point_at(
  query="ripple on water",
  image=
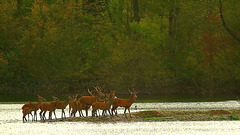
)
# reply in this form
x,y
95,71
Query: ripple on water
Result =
x,y
11,122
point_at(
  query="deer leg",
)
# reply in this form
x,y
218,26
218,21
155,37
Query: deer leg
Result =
x,y
82,113
24,118
40,114
79,111
125,112
70,114
64,115
50,115
103,113
129,112
92,113
44,117
35,115
109,113
55,115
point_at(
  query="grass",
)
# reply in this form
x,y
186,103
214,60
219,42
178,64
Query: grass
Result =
x,y
166,115
157,119
234,117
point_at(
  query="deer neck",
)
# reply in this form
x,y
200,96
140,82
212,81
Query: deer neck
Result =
x,y
39,102
55,103
132,98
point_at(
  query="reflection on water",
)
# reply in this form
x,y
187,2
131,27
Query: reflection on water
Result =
x,y
11,122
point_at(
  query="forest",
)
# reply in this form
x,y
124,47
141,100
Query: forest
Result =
x,y
158,47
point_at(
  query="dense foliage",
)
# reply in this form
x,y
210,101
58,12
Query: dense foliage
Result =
x,y
157,47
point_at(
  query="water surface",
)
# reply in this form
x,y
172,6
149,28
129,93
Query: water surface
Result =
x,y
11,122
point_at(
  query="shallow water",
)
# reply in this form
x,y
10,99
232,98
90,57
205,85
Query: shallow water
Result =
x,y
11,122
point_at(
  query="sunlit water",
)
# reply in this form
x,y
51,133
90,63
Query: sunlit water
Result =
x,y
11,122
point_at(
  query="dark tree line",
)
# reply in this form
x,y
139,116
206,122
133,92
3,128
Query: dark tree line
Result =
x,y
158,47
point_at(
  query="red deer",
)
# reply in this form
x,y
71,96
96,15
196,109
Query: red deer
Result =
x,y
126,103
63,104
26,111
51,107
89,100
73,106
34,106
105,106
81,107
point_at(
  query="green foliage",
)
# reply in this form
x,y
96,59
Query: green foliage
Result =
x,y
158,119
234,117
59,47
222,118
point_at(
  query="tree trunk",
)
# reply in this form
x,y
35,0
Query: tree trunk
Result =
x,y
136,15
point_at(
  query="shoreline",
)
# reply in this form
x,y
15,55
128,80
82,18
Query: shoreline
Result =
x,y
160,116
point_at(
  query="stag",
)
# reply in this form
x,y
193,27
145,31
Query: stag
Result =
x,y
126,103
89,100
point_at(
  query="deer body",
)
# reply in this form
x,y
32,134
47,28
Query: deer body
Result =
x,y
51,107
26,111
73,106
81,107
126,103
105,106
34,106
62,105
89,100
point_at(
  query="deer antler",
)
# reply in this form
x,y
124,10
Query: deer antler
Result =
x,y
130,91
95,88
89,92
134,90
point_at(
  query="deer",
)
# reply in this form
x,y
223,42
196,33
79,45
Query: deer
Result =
x,y
73,106
81,107
34,106
126,103
105,106
26,111
50,106
89,100
63,104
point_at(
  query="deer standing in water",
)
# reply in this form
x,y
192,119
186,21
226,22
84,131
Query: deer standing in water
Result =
x,y
26,111
34,106
89,100
63,104
102,105
73,106
81,107
126,103
51,107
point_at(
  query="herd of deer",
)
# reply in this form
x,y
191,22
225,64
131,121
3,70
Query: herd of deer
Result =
x,y
109,104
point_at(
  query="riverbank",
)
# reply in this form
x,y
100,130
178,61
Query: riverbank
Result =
x,y
163,115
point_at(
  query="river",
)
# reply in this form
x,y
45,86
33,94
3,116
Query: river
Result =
x,y
11,122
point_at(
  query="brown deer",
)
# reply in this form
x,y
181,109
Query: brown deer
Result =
x,y
26,111
34,106
81,107
102,105
50,106
89,100
73,106
63,104
126,103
